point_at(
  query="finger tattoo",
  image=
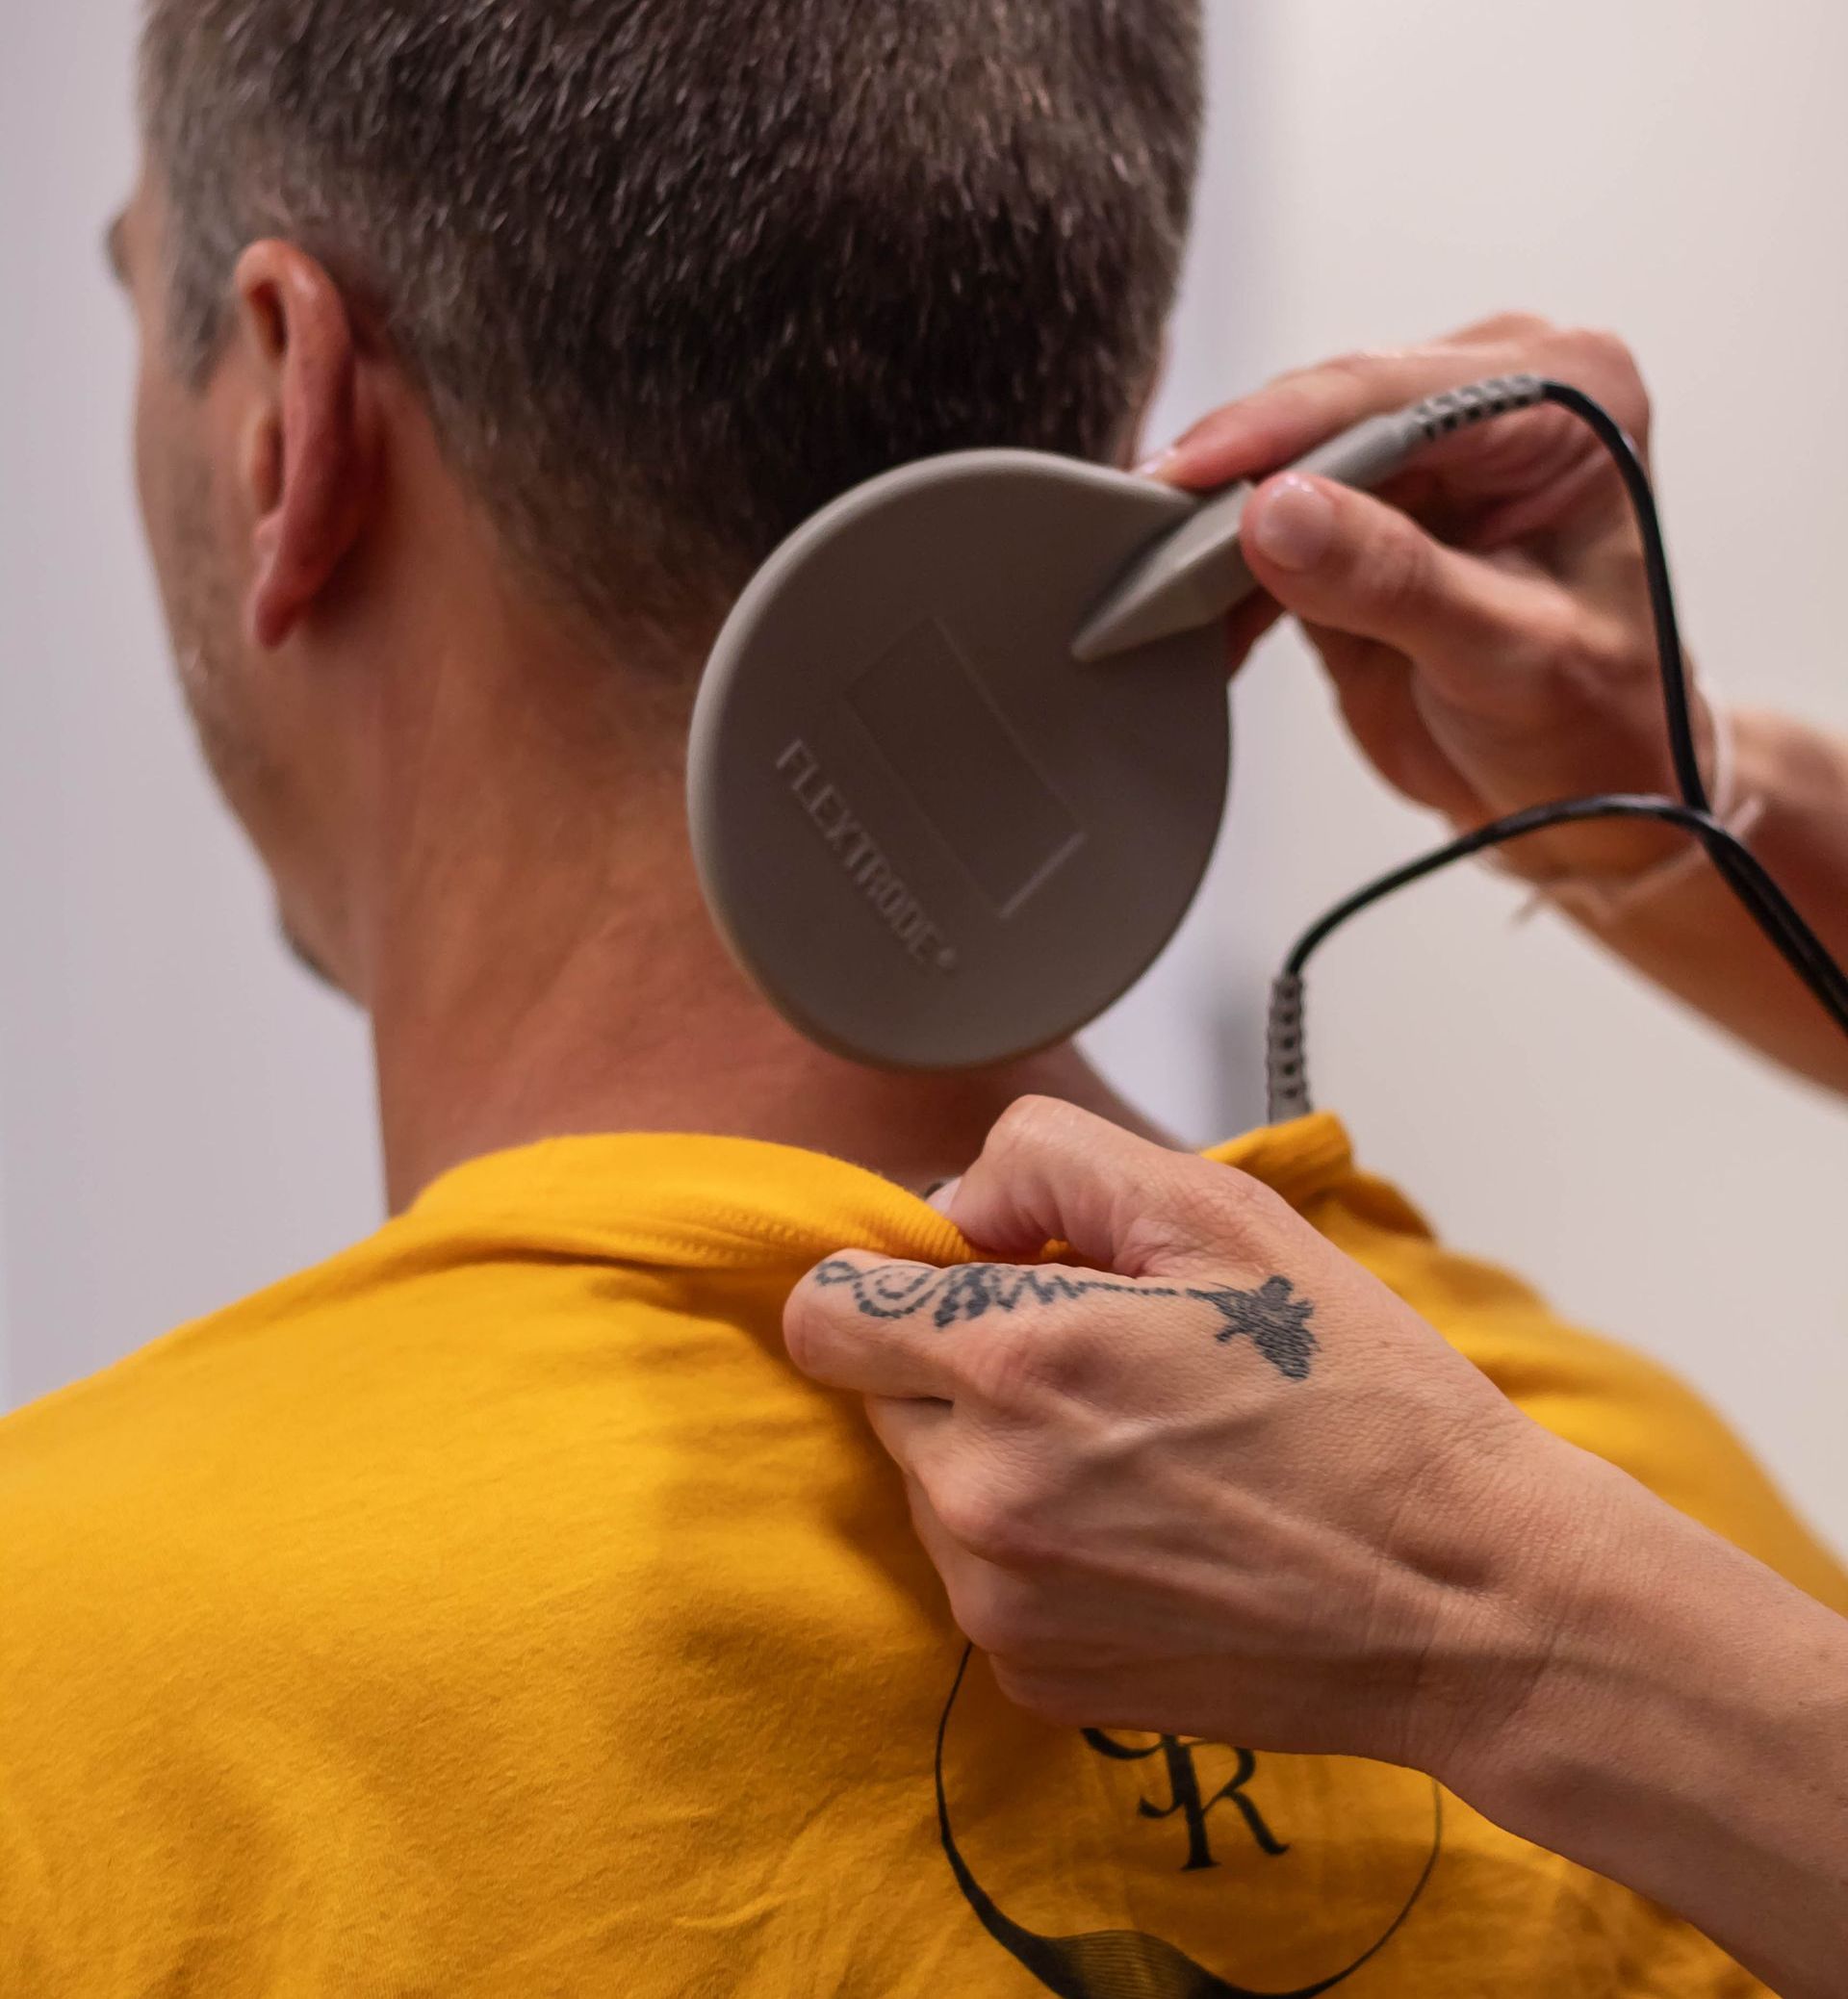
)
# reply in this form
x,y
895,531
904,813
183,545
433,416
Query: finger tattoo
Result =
x,y
1272,1317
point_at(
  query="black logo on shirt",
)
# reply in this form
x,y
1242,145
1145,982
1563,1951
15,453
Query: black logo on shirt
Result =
x,y
1185,1797
1130,1963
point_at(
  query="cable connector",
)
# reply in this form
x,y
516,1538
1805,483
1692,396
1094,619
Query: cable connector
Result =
x,y
1287,1077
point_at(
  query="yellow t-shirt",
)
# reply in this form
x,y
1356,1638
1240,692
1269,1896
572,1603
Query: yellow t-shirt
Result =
x,y
494,1610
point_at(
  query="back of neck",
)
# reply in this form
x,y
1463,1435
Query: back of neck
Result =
x,y
573,983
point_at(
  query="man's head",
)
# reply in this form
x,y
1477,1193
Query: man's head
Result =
x,y
602,296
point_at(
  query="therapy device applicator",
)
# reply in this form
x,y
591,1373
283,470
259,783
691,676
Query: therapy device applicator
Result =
x,y
1198,573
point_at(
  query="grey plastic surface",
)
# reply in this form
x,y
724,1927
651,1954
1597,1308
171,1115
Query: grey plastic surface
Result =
x,y
930,837
1197,574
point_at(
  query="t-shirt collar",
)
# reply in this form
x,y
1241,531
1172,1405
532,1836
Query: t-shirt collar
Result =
x,y
679,1199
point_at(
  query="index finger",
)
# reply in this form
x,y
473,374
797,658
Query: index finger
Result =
x,y
1002,1336
1051,1171
1277,425
917,1332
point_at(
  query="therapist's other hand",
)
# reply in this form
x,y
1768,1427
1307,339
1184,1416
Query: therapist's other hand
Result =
x,y
1485,620
1221,1482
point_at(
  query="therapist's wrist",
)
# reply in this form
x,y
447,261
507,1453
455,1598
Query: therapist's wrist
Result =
x,y
1766,767
1524,1618
1608,863
1640,1671
1677,1719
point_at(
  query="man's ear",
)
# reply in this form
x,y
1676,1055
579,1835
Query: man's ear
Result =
x,y
307,449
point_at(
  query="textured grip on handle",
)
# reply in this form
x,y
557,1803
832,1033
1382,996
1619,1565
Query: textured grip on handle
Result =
x,y
1286,1061
1456,409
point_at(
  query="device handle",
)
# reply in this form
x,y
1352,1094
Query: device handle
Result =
x,y
1197,573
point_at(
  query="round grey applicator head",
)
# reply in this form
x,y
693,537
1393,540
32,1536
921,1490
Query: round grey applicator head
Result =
x,y
932,835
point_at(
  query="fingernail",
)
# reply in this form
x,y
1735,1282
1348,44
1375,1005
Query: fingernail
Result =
x,y
1154,468
1295,523
942,1195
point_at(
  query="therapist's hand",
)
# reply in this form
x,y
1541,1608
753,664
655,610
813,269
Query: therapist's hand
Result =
x,y
1224,1483
1487,631
1221,1484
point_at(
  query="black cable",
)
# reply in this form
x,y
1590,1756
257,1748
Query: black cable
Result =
x,y
1672,665
1795,941
1797,944
1756,888
1285,1053
1614,805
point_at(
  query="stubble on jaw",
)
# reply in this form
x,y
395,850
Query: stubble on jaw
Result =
x,y
202,609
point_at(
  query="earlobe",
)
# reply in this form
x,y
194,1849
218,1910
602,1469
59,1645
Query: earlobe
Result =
x,y
306,457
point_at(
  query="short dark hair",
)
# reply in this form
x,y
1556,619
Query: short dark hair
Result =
x,y
674,272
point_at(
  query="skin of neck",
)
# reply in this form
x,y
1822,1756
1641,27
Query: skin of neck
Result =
x,y
520,915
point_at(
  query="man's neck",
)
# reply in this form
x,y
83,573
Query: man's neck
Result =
x,y
518,997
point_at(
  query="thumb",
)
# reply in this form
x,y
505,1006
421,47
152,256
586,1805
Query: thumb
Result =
x,y
1345,560
1050,1172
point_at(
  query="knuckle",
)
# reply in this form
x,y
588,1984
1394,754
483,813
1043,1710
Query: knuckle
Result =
x,y
1013,1619
1603,653
1362,365
1206,1210
1234,1201
1540,636
987,1612
1348,384
976,1517
1294,377
1516,325
1015,1367
1546,642
1029,1124
1211,1208
990,1524
1561,643
979,1613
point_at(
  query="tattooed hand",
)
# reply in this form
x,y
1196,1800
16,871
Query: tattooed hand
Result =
x,y
1221,1482
1277,1320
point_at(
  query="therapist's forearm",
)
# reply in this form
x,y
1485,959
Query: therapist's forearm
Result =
x,y
1682,1726
1693,937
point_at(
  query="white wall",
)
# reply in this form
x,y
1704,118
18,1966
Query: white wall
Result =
x,y
183,1116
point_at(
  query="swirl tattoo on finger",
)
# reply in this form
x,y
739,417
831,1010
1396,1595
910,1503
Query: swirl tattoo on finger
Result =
x,y
1273,1318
